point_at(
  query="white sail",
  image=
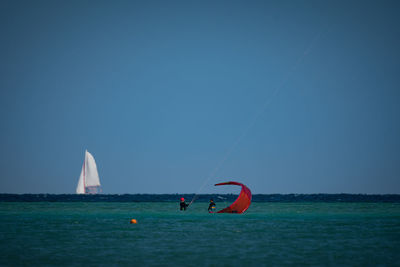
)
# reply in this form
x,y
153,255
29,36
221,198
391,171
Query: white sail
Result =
x,y
89,180
80,189
92,176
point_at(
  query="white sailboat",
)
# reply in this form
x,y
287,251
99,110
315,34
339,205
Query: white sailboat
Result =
x,y
89,181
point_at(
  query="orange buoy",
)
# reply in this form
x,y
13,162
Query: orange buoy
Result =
x,y
133,221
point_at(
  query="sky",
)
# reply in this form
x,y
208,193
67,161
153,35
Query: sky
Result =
x,y
175,96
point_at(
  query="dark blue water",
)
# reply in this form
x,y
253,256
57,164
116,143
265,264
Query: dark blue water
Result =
x,y
98,233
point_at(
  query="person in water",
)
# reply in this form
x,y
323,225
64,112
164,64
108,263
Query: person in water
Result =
x,y
183,204
211,207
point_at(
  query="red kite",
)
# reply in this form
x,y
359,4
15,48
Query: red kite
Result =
x,y
242,203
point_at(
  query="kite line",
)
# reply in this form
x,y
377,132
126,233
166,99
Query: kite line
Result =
x,y
261,111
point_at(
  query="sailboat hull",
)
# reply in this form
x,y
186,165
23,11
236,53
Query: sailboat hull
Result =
x,y
93,190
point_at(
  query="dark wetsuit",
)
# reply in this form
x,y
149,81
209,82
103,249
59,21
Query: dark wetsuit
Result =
x,y
184,205
210,207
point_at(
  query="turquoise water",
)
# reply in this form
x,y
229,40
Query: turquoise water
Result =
x,y
83,233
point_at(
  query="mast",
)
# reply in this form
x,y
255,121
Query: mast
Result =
x,y
84,173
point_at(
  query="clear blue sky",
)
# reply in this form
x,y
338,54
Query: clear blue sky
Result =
x,y
161,92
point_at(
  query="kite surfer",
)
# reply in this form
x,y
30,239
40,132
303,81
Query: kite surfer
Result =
x,y
183,204
211,207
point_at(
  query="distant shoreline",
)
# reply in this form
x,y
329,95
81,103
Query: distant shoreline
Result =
x,y
388,198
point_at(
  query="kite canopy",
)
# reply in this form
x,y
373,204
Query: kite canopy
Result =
x,y
242,203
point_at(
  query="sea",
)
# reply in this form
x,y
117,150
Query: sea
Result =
x,y
276,230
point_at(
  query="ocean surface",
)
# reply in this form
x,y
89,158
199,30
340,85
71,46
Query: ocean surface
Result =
x,y
90,232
